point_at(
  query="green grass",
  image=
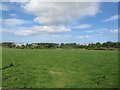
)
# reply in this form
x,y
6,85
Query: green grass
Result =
x,y
0,67
54,68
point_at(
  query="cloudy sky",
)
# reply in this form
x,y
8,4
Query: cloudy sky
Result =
x,y
80,22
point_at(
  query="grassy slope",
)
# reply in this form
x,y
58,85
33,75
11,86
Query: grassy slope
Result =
x,y
59,68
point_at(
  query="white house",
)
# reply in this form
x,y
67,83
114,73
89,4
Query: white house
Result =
x,y
20,44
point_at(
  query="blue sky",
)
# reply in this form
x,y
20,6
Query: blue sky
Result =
x,y
84,23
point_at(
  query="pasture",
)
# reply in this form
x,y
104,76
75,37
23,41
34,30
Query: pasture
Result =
x,y
57,68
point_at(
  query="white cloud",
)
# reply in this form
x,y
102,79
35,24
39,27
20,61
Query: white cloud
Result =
x,y
112,18
99,30
4,7
104,31
83,26
13,15
16,1
54,1
41,29
52,16
109,0
90,31
60,13
116,31
13,22
22,1
84,37
0,21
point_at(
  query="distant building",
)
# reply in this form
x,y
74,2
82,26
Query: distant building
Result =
x,y
20,44
84,44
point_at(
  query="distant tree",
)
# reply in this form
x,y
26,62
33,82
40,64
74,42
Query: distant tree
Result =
x,y
8,44
118,45
108,44
61,45
27,45
91,46
98,45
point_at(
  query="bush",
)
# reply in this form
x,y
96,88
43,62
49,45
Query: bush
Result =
x,y
100,48
110,48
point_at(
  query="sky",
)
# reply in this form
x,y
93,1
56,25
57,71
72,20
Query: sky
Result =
x,y
60,22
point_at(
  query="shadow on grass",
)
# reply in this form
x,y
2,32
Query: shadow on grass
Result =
x,y
6,67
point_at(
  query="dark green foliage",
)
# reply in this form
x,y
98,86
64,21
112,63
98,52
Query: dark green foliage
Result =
x,y
42,45
91,46
8,44
104,46
69,45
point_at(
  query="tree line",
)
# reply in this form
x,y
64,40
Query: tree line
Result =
x,y
91,46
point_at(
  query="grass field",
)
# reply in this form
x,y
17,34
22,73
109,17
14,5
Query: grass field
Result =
x,y
55,68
